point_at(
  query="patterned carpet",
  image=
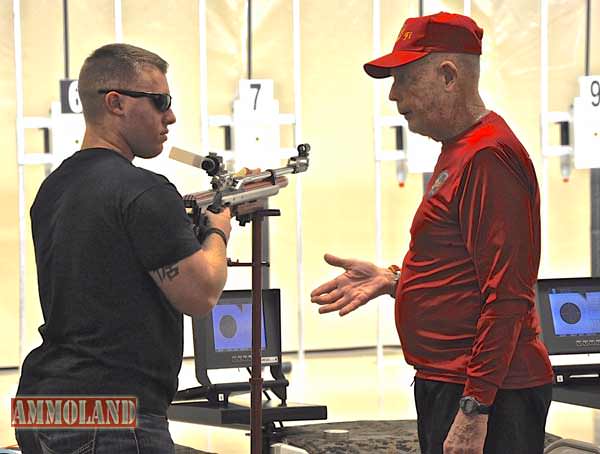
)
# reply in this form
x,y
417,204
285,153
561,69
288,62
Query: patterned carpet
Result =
x,y
372,437
363,437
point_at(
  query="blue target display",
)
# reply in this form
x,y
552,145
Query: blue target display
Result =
x,y
575,313
232,327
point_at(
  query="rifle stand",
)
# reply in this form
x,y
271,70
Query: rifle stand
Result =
x,y
209,403
256,381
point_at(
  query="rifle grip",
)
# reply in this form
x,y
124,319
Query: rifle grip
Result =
x,y
214,208
217,204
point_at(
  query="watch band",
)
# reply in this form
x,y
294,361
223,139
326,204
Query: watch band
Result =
x,y
216,231
396,270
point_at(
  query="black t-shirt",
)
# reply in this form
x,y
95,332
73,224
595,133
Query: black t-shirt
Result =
x,y
99,225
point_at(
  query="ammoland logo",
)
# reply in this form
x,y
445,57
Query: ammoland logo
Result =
x,y
76,412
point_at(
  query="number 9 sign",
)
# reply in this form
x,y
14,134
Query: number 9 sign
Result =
x,y
595,91
589,89
586,123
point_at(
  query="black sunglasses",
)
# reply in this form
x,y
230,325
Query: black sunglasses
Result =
x,y
162,101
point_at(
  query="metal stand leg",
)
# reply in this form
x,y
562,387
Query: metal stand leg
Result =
x,y
256,380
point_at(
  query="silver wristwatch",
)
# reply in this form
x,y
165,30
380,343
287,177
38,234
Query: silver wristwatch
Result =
x,y
471,406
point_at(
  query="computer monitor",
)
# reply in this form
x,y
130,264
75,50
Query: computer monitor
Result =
x,y
223,338
569,311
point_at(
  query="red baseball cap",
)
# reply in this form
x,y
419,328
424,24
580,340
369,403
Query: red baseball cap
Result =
x,y
420,36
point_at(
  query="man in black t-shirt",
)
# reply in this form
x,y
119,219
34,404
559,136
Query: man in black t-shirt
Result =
x,y
118,262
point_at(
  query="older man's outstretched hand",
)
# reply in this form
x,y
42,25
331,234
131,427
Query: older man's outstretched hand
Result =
x,y
360,283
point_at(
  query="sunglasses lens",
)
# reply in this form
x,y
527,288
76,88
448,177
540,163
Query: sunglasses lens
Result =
x,y
163,102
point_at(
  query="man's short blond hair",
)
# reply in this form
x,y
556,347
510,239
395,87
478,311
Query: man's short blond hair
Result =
x,y
112,66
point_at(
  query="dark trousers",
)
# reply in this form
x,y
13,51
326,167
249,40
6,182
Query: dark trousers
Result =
x,y
516,424
151,436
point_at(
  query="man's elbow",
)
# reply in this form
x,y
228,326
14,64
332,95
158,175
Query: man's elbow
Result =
x,y
198,307
205,298
206,285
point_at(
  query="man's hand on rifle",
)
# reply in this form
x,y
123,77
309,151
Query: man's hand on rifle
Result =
x,y
221,221
360,283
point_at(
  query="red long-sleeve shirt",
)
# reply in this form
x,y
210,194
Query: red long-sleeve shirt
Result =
x,y
465,308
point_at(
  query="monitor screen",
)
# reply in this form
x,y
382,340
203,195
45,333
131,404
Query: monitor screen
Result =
x,y
232,326
223,338
569,310
575,313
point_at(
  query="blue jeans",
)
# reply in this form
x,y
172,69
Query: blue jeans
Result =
x,y
151,436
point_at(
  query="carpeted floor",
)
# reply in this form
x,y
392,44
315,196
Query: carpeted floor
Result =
x,y
363,437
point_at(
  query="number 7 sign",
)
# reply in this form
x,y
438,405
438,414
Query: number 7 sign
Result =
x,y
256,134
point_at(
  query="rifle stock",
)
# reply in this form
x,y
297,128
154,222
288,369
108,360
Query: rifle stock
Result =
x,y
245,200
243,193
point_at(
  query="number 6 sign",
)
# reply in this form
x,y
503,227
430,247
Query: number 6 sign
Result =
x,y
69,96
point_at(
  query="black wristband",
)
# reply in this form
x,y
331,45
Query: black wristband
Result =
x,y
218,232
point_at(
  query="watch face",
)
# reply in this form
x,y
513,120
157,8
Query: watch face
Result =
x,y
469,406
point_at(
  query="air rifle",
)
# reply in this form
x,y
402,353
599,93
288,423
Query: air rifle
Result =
x,y
243,192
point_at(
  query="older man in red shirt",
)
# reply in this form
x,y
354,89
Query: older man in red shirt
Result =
x,y
465,308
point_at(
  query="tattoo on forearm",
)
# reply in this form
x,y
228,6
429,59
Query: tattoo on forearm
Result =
x,y
169,272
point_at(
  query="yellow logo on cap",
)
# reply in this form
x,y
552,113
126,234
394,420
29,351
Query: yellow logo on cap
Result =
x,y
404,35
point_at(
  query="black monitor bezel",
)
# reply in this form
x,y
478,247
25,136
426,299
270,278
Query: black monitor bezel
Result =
x,y
206,356
563,345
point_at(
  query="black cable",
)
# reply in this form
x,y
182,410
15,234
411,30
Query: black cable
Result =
x,y
249,47
66,35
426,175
588,29
266,282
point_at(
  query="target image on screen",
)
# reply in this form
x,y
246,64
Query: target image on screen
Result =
x,y
569,311
223,338
575,313
232,327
